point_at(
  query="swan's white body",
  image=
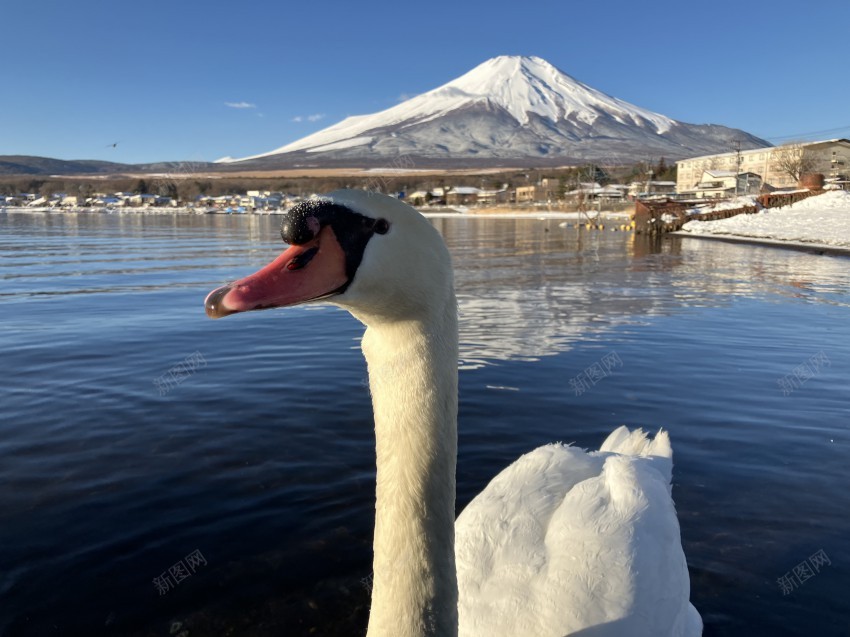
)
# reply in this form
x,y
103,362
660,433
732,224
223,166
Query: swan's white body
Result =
x,y
560,543
565,542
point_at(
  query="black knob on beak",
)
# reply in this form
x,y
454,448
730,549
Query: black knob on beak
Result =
x,y
301,224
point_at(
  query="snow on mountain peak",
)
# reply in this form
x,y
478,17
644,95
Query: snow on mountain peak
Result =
x,y
521,87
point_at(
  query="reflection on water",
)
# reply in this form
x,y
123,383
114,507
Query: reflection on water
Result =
x,y
528,288
263,460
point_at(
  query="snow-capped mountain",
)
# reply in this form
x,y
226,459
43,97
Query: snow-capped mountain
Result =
x,y
508,108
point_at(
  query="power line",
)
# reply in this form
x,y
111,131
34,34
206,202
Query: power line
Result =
x,y
801,135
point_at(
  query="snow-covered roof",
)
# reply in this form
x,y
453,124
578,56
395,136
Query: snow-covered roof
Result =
x,y
464,190
839,140
594,189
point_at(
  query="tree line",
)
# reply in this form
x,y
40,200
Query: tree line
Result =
x,y
188,187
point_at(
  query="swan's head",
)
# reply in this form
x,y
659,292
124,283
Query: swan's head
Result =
x,y
368,253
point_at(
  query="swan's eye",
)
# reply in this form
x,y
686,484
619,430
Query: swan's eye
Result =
x,y
382,226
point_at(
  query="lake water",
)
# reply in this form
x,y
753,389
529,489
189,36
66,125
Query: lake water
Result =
x,y
138,436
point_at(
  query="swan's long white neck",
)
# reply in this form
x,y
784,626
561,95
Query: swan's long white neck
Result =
x,y
413,379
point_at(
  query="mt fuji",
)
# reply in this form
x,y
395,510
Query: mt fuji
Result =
x,y
510,110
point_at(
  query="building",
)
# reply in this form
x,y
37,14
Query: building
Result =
x,y
592,191
644,189
107,200
418,197
501,195
723,184
544,191
462,196
830,157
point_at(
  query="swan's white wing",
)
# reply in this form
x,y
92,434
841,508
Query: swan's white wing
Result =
x,y
565,542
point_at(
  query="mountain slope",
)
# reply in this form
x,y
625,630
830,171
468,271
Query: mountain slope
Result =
x,y
508,108
32,165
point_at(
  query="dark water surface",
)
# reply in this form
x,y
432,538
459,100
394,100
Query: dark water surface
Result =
x,y
252,465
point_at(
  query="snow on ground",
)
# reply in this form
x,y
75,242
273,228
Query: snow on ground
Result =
x,y
729,204
822,219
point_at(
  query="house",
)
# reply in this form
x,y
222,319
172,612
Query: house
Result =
x,y
615,192
273,200
462,196
723,184
837,183
831,157
106,200
501,195
545,190
418,197
526,194
71,201
584,191
644,189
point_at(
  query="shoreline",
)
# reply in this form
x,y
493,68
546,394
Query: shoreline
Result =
x,y
605,216
107,211
436,214
800,246
540,216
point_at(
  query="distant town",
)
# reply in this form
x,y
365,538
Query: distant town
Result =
x,y
823,165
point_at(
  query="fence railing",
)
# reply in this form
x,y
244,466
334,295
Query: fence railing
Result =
x,y
656,217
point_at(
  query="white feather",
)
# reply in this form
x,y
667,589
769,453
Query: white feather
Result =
x,y
562,542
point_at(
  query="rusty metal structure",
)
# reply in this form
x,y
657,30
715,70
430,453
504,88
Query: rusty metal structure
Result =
x,y
666,215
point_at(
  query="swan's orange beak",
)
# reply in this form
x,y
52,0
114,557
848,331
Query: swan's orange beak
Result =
x,y
301,273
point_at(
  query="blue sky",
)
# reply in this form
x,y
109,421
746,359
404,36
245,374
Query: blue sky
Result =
x,y
192,80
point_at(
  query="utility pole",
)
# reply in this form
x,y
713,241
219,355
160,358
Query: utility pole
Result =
x,y
649,174
737,164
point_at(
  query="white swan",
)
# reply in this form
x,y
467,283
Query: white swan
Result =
x,y
562,542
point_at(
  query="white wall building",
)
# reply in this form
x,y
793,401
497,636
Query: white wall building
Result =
x,y
720,184
644,189
830,157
